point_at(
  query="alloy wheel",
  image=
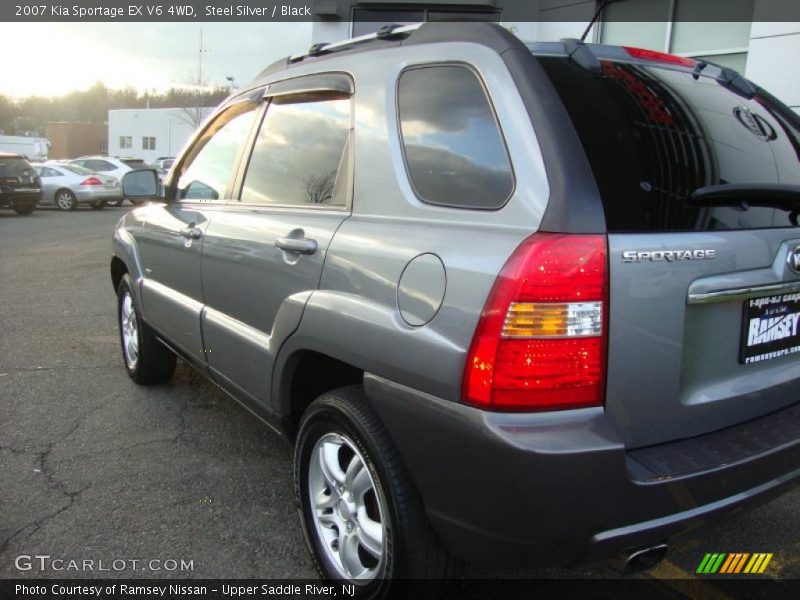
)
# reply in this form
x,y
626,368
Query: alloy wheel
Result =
x,y
130,331
347,508
65,200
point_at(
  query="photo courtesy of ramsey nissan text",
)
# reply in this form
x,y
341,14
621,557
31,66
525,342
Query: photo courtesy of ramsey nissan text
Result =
x,y
396,299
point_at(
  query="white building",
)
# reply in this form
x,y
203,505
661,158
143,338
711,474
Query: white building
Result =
x,y
149,133
767,53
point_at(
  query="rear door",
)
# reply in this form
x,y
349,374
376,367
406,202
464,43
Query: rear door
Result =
x,y
171,241
704,313
271,245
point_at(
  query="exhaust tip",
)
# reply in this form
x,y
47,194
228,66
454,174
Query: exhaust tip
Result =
x,y
639,560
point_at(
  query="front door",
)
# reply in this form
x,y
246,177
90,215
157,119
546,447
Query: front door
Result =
x,y
172,239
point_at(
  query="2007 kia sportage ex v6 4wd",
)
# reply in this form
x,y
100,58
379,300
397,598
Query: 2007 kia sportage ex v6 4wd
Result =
x,y
510,303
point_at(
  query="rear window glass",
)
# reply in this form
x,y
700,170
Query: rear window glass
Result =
x,y
453,147
77,169
654,135
13,168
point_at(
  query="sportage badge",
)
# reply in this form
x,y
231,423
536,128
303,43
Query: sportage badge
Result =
x,y
629,256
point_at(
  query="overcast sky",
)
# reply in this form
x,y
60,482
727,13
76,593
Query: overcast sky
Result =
x,y
55,58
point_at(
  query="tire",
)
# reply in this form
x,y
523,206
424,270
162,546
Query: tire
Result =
x,y
24,208
147,360
342,425
117,202
98,205
65,200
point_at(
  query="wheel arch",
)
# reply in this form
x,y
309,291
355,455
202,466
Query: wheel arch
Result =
x,y
63,189
118,269
302,377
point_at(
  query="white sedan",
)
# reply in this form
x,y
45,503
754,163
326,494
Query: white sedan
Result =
x,y
65,186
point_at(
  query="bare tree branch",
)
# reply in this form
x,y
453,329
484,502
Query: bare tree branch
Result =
x,y
319,188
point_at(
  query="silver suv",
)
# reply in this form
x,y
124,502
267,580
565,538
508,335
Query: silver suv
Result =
x,y
510,303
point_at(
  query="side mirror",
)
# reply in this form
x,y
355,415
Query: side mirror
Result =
x,y
142,183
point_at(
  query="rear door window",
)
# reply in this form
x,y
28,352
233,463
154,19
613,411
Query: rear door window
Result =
x,y
300,157
99,165
454,151
654,135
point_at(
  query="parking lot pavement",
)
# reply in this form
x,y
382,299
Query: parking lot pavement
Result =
x,y
93,467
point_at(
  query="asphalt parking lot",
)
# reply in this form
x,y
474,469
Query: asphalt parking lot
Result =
x,y
95,467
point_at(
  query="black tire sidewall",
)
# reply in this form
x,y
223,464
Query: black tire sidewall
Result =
x,y
323,418
124,286
24,208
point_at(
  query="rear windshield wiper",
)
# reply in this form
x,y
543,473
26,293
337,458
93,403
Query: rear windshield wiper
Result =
x,y
770,195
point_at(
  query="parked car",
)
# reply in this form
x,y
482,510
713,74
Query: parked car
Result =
x,y
499,322
66,185
19,185
163,165
109,165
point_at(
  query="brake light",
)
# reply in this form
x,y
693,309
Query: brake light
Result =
x,y
540,343
644,54
91,181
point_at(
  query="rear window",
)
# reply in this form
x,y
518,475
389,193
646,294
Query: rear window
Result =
x,y
133,163
14,168
454,151
654,135
77,169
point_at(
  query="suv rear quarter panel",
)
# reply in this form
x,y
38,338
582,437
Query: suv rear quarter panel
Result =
x,y
354,316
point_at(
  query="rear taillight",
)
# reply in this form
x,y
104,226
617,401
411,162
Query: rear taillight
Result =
x,y
91,181
663,57
540,343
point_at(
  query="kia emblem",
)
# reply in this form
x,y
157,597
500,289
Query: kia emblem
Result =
x,y
794,260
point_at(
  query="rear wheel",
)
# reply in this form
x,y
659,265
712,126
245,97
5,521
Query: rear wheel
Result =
x,y
117,202
147,360
24,208
66,200
361,514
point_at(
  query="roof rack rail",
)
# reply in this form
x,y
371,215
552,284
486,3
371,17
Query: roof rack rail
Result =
x,y
391,32
387,32
316,49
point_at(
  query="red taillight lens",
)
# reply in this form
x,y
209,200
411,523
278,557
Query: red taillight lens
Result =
x,y
540,343
91,181
644,54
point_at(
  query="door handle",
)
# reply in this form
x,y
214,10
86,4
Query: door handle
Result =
x,y
300,246
191,233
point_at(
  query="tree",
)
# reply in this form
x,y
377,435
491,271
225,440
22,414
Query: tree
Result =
x,y
194,98
319,188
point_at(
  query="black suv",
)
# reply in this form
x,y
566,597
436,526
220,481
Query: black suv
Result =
x,y
20,186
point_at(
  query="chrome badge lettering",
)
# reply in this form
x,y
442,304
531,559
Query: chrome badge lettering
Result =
x,y
630,256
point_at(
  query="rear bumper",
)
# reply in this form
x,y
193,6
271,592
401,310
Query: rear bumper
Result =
x,y
10,198
558,487
87,196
